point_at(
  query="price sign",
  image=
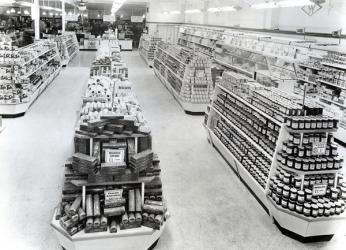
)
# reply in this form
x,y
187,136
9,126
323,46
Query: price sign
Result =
x,y
319,189
109,18
319,148
113,195
136,19
114,155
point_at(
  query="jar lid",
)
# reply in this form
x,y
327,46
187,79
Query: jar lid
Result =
x,y
314,206
333,189
280,184
326,205
308,191
300,192
338,204
326,200
286,187
307,205
320,201
320,205
293,190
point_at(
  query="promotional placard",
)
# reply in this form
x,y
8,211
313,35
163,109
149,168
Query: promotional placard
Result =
x,y
114,155
319,189
109,18
136,19
112,196
71,17
319,148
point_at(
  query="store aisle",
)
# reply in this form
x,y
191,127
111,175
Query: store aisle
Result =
x,y
210,207
33,149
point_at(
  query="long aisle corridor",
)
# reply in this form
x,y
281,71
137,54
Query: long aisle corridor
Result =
x,y
33,149
210,207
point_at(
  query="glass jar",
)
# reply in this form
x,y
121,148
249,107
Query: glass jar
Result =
x,y
318,164
299,207
308,151
307,209
308,195
312,123
332,208
287,178
295,123
337,208
326,209
330,163
279,189
305,165
293,194
314,210
286,192
284,202
323,164
298,164
301,196
312,164
296,139
291,205
290,161
297,182
320,209
301,151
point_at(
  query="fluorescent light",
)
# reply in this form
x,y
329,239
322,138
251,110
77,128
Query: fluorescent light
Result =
x,y
19,12
222,9
121,16
192,11
6,1
282,4
266,5
8,11
213,9
44,13
26,12
98,15
26,4
51,13
175,12
295,3
143,16
13,10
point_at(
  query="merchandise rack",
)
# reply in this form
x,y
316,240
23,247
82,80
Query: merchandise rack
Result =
x,y
186,75
43,54
147,47
141,236
68,46
290,223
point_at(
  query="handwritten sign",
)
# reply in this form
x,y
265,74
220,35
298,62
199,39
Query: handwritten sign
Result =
x,y
112,196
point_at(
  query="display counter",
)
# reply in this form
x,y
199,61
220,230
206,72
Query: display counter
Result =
x,y
126,44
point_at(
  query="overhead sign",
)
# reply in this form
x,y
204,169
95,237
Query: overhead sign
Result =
x,y
109,18
136,19
71,17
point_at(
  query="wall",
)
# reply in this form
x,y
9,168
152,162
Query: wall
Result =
x,y
331,17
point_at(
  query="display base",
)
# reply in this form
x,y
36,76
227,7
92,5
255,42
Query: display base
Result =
x,y
87,49
141,238
188,107
18,110
303,239
305,229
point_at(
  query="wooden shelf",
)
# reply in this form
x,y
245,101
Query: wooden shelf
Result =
x,y
336,103
332,84
307,66
303,217
307,81
335,65
248,73
249,105
244,135
317,130
309,172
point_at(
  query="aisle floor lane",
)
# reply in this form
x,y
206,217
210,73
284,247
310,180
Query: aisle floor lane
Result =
x,y
33,150
210,207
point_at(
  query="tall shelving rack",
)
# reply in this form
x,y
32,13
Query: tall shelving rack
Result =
x,y
147,47
68,46
186,75
36,67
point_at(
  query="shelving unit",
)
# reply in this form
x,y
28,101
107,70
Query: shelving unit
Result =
x,y
36,67
227,130
186,75
123,137
68,46
147,47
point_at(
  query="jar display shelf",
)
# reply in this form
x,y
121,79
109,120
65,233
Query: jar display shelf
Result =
x,y
240,170
332,84
290,223
188,107
305,228
146,48
302,131
309,172
141,238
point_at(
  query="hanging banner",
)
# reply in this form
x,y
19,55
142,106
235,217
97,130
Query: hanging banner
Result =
x,y
136,19
108,18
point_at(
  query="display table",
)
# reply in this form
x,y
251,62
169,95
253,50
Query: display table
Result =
x,y
125,44
138,238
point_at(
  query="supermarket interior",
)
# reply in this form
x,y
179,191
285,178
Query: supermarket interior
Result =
x,y
172,124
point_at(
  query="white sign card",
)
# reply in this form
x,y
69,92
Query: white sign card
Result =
x,y
109,18
114,155
319,148
319,189
136,19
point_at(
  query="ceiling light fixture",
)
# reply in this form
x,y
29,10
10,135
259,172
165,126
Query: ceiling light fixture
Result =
x,y
19,12
23,3
8,11
26,12
117,5
13,10
282,4
192,11
175,12
222,9
7,1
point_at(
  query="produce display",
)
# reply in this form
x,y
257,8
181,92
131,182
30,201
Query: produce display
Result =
x,y
25,73
147,47
185,74
114,163
283,150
